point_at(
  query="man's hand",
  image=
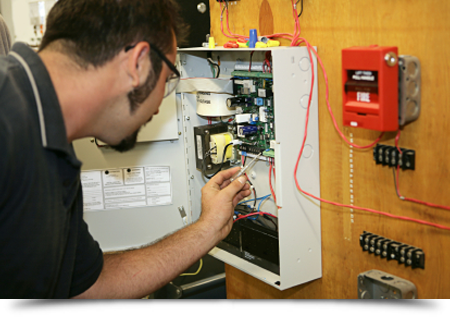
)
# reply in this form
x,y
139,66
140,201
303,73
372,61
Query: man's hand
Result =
x,y
219,197
134,274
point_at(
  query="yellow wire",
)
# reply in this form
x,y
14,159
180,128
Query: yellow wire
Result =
x,y
197,272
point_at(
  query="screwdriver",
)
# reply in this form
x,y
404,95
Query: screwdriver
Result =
x,y
244,169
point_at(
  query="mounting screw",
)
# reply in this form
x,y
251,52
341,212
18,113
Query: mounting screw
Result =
x,y
179,133
201,7
192,177
209,167
391,59
188,118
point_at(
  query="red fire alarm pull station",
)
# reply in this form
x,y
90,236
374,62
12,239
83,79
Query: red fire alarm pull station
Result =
x,y
370,93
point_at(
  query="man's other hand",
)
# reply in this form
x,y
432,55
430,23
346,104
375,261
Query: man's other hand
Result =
x,y
219,197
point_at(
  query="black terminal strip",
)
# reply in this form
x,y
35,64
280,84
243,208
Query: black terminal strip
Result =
x,y
248,148
403,253
390,156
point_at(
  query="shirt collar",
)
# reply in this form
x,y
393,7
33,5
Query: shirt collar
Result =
x,y
55,129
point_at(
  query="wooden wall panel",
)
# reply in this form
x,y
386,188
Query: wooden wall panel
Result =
x,y
419,28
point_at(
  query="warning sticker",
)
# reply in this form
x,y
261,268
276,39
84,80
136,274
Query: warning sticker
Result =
x,y
126,188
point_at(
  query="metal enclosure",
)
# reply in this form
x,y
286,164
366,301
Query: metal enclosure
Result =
x,y
298,215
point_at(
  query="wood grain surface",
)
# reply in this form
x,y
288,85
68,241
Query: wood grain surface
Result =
x,y
418,28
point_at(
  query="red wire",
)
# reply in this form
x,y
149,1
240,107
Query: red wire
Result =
x,y
234,36
328,102
295,42
255,214
335,203
398,189
270,184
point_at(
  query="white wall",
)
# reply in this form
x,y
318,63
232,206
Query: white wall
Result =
x,y
6,10
17,16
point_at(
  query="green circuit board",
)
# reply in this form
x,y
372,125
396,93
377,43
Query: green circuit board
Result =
x,y
258,94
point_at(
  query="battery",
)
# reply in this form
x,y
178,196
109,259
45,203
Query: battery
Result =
x,y
248,130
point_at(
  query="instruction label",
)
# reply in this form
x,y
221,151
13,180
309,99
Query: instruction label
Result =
x,y
126,188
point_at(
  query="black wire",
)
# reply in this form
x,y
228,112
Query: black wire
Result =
x,y
98,145
301,11
270,219
221,165
211,61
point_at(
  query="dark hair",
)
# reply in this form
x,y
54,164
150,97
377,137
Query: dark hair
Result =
x,y
93,32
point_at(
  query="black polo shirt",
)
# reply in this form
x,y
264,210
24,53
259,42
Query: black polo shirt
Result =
x,y
46,250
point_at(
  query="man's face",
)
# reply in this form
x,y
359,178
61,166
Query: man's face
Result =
x,y
152,92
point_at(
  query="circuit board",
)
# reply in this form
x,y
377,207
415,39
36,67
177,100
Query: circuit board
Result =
x,y
254,111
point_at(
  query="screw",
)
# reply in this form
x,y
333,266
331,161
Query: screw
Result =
x,y
384,246
409,254
371,249
392,256
201,7
408,164
391,59
188,118
378,251
209,167
206,132
402,252
366,247
192,177
384,254
408,261
179,133
402,259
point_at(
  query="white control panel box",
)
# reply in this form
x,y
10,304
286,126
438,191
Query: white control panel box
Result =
x,y
299,226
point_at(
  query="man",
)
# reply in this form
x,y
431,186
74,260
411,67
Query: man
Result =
x,y
101,71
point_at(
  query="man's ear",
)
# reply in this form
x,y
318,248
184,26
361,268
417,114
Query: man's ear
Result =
x,y
139,63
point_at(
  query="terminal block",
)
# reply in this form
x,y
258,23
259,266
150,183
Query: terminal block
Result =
x,y
390,156
403,253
